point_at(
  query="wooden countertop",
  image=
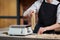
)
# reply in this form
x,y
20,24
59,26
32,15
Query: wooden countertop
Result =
x,y
42,36
28,37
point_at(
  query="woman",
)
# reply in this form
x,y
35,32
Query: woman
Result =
x,y
48,15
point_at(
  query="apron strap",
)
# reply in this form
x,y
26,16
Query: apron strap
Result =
x,y
58,4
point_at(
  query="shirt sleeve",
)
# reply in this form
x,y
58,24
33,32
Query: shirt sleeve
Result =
x,y
35,7
58,14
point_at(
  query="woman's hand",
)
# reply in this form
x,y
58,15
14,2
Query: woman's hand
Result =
x,y
41,30
29,15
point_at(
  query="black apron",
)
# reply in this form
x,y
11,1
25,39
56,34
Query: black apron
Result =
x,y
47,16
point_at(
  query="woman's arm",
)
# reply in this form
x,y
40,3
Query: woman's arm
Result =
x,y
35,7
53,27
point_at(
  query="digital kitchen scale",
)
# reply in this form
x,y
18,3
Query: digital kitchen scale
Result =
x,y
20,30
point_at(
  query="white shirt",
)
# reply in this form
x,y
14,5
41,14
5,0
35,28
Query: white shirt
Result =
x,y
35,7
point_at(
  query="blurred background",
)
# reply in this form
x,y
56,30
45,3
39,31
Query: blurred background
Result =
x,y
11,12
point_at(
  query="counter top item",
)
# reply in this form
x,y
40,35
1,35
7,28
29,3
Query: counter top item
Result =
x,y
4,36
31,37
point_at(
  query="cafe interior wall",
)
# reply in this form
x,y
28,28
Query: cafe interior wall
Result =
x,y
7,8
